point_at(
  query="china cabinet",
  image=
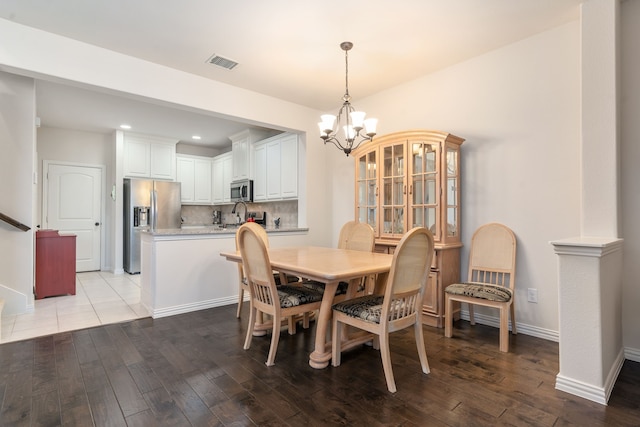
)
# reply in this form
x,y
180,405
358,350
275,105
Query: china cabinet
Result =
x,y
412,179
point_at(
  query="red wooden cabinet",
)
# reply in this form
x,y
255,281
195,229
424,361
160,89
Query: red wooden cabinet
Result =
x,y
55,264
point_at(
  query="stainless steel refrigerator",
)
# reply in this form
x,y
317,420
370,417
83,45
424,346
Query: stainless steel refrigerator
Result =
x,y
148,205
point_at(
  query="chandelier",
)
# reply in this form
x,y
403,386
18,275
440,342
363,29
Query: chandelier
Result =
x,y
354,121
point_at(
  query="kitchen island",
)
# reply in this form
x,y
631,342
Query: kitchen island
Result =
x,y
182,270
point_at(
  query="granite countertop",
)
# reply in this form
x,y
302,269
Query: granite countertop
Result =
x,y
191,229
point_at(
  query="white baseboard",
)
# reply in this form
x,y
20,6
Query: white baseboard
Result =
x,y
14,302
523,328
587,391
187,308
632,354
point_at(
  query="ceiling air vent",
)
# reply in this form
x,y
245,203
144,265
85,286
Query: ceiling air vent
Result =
x,y
222,62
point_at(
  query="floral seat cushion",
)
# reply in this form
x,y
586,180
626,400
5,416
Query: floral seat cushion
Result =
x,y
368,307
292,296
480,290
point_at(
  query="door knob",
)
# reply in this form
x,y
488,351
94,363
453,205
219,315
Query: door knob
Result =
x,y
97,223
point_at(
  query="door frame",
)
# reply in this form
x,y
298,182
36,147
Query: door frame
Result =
x,y
45,196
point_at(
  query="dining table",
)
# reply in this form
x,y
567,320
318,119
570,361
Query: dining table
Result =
x,y
329,266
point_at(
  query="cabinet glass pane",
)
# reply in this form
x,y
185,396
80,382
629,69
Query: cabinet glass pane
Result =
x,y
418,191
430,158
372,220
371,166
387,188
417,155
388,162
398,220
362,193
452,191
418,217
362,167
362,214
398,196
372,200
452,222
430,195
452,162
398,160
430,219
387,221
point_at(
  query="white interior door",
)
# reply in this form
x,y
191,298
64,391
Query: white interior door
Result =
x,y
73,206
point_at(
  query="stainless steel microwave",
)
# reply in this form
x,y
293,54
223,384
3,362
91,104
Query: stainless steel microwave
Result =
x,y
242,191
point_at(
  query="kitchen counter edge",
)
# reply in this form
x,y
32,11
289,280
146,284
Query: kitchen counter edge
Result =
x,y
215,231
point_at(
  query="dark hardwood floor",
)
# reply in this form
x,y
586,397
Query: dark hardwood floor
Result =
x,y
191,370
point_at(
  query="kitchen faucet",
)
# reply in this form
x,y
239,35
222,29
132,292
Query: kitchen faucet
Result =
x,y
245,209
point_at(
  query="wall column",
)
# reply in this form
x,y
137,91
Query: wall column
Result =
x,y
590,266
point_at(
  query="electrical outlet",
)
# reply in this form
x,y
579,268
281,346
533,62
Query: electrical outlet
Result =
x,y
532,295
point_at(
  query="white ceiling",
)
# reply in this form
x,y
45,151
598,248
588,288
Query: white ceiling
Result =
x,y
288,49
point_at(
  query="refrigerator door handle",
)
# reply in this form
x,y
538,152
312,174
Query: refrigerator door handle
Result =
x,y
154,210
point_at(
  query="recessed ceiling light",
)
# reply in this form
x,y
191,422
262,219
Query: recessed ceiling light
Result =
x,y
125,126
196,137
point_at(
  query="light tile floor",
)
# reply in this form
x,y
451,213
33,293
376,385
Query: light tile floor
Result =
x,y
100,298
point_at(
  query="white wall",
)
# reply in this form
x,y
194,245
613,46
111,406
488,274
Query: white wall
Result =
x,y
77,147
630,173
17,145
518,109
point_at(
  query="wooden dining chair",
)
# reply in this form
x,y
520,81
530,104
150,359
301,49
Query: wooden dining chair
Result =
x,y
284,301
490,281
399,307
243,286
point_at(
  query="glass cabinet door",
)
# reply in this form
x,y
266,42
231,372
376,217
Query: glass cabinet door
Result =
x,y
423,185
452,159
367,189
393,190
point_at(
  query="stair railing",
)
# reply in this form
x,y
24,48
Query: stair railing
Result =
x,y
13,222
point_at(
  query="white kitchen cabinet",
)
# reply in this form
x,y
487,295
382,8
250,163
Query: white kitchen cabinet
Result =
x,y
148,156
242,152
222,166
195,175
184,175
276,168
260,172
289,166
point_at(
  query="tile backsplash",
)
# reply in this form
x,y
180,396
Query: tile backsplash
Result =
x,y
287,211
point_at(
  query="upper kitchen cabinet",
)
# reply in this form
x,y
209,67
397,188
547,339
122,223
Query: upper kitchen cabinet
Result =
x,y
276,168
195,175
242,149
148,156
222,166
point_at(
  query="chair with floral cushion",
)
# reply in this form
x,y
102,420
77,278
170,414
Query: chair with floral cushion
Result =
x,y
399,307
243,286
278,302
490,281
